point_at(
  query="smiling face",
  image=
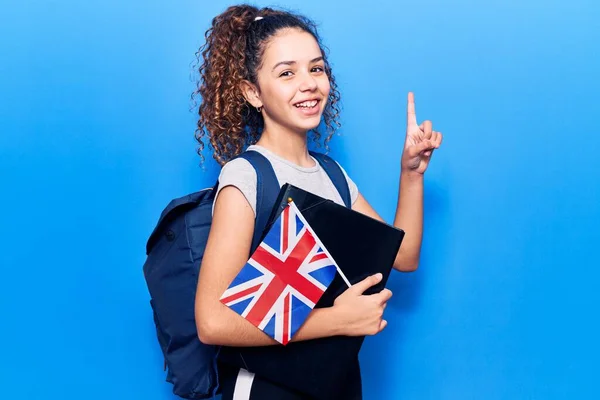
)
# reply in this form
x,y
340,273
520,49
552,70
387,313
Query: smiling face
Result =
x,y
294,87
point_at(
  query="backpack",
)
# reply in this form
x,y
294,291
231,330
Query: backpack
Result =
x,y
174,254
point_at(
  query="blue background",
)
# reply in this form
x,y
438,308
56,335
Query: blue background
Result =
x,y
96,136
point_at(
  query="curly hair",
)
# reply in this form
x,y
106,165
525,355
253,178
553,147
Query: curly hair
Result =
x,y
233,51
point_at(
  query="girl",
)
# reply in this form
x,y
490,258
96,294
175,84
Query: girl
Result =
x,y
266,82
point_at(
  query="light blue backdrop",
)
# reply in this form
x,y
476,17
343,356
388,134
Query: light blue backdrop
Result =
x,y
96,136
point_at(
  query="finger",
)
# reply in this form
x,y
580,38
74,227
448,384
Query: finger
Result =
x,y
434,144
427,129
438,140
383,296
419,148
382,325
366,283
411,116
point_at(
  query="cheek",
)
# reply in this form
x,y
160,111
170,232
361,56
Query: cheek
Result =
x,y
325,89
279,96
325,86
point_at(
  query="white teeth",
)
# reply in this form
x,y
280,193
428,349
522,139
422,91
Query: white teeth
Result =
x,y
307,104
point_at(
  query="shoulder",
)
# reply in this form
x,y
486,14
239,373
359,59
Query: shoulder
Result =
x,y
351,184
240,174
236,169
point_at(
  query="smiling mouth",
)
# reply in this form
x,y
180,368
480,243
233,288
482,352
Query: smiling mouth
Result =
x,y
307,104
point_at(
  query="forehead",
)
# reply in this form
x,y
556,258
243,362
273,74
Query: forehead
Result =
x,y
291,45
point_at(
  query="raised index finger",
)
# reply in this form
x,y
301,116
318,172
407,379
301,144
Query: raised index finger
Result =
x,y
411,116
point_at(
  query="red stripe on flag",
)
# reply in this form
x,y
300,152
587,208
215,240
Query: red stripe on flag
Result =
x,y
265,302
286,225
319,257
286,319
287,271
241,294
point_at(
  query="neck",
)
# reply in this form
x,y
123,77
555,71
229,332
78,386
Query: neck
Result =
x,y
289,145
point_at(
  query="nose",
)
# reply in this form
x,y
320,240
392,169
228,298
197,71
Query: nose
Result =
x,y
309,83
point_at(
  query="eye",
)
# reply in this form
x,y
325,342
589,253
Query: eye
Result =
x,y
318,69
286,73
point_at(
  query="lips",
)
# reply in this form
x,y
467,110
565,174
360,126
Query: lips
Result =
x,y
307,103
308,108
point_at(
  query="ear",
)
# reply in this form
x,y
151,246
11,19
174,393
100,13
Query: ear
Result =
x,y
251,93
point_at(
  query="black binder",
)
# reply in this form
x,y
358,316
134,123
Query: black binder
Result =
x,y
361,246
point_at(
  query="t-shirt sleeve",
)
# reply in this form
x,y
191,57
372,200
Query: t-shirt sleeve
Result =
x,y
351,185
241,174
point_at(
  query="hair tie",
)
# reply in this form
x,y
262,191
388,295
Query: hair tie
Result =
x,y
258,18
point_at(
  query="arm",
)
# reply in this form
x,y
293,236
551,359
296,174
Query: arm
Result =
x,y
226,253
419,145
227,249
409,217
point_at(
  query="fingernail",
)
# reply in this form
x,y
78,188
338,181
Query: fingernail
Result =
x,y
379,275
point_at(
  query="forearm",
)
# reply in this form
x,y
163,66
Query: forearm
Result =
x,y
409,217
230,329
322,322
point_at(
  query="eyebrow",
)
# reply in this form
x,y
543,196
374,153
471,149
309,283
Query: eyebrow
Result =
x,y
314,60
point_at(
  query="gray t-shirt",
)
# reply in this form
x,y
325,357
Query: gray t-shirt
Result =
x,y
241,174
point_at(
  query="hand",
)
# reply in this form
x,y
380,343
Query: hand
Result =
x,y
360,314
420,141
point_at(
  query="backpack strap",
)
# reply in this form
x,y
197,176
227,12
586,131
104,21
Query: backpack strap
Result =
x,y
336,175
267,187
267,190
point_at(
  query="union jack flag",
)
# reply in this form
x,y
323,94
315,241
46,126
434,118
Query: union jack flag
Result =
x,y
283,280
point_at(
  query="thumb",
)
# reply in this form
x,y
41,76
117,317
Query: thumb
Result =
x,y
382,325
362,286
415,150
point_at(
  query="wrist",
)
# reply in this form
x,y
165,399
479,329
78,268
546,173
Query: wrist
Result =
x,y
336,322
410,175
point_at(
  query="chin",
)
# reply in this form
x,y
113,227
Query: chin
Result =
x,y
309,124
306,128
